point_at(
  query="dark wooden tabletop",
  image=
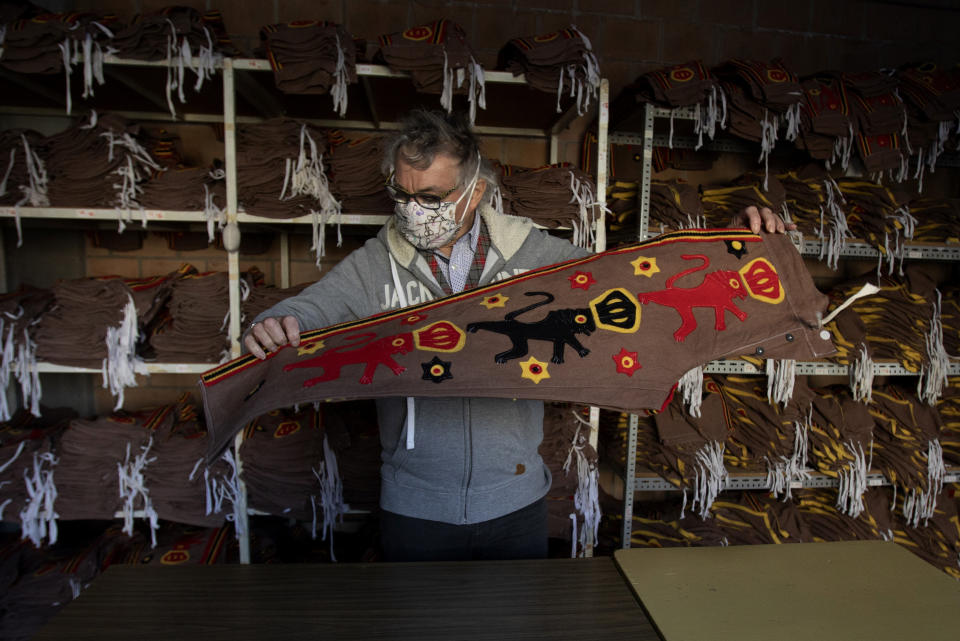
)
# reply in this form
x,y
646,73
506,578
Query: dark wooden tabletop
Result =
x,y
551,599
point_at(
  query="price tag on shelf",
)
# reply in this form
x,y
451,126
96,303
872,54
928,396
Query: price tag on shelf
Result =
x,y
181,368
874,482
154,214
8,211
914,253
85,213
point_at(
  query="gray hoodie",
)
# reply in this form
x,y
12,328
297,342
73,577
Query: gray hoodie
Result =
x,y
474,459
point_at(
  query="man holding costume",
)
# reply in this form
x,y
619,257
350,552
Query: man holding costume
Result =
x,y
461,478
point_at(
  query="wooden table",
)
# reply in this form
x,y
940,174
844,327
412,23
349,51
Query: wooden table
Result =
x,y
825,591
551,599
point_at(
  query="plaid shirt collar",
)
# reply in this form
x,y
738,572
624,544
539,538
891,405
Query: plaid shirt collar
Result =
x,y
478,239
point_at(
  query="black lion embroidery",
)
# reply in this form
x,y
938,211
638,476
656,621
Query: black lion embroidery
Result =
x,y
559,327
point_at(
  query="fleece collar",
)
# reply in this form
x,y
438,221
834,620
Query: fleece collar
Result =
x,y
507,234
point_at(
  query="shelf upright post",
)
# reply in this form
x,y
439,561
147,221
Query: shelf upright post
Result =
x,y
230,163
603,161
629,482
233,269
643,215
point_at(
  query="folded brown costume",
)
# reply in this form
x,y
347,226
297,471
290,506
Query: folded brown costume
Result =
x,y
550,61
22,162
768,94
552,196
587,348
280,169
355,181
439,59
43,42
182,35
310,57
931,94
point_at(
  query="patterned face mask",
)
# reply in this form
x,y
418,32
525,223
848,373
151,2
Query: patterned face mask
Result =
x,y
431,228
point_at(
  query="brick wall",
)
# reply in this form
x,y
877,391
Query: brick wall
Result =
x,y
630,37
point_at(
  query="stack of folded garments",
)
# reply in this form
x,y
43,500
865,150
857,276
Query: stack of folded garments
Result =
x,y
572,461
149,35
102,463
685,85
881,121
949,408
771,437
75,331
897,323
950,319
552,196
22,154
195,329
26,449
878,215
931,94
282,453
310,57
841,445
180,187
938,541
280,169
37,41
768,93
355,438
182,488
938,220
675,204
907,450
815,204
262,298
355,177
100,162
291,470
688,450
439,60
823,521
826,121
722,202
20,312
559,62
183,35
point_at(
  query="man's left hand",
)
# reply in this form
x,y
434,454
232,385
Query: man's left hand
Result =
x,y
761,218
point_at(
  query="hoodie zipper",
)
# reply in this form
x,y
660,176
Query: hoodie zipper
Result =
x,y
468,456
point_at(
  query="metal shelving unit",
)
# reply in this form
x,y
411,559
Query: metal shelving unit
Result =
x,y
368,111
647,139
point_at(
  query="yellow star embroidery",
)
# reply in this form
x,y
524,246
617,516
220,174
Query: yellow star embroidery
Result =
x,y
310,348
535,370
497,300
644,266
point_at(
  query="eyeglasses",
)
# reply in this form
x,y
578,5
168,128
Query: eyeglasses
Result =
x,y
427,201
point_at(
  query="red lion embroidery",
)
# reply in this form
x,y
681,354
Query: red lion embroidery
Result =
x,y
717,290
361,350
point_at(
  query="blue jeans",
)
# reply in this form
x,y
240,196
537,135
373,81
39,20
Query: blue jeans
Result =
x,y
518,535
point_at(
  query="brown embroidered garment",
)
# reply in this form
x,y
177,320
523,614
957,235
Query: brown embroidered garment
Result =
x,y
621,335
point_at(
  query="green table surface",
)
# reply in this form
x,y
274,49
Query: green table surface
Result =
x,y
849,591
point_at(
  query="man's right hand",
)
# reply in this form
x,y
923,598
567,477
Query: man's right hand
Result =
x,y
271,334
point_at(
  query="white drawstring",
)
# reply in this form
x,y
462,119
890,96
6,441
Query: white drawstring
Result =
x,y
411,421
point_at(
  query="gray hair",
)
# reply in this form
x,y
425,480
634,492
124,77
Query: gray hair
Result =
x,y
423,134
